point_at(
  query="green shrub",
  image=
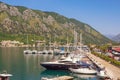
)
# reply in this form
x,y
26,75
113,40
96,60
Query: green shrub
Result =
x,y
114,62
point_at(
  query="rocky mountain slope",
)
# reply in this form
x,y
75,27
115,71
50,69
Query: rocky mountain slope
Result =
x,y
17,21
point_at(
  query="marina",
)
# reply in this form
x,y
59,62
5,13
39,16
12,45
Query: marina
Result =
x,y
79,60
64,40
29,65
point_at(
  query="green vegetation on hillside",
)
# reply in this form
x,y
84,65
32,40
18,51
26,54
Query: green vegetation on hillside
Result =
x,y
19,21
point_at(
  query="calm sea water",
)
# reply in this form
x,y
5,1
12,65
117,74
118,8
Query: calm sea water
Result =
x,y
27,66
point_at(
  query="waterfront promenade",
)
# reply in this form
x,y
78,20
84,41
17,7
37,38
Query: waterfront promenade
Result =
x,y
112,71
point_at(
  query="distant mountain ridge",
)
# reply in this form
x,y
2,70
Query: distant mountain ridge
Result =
x,y
116,38
110,36
17,21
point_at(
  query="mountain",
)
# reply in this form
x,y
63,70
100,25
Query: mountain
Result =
x,y
110,36
16,22
116,38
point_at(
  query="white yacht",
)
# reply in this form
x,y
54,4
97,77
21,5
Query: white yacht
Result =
x,y
83,70
34,51
5,74
27,51
102,74
50,51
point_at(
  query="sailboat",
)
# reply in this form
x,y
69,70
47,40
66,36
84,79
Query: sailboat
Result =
x,y
45,50
82,70
50,51
68,51
27,51
34,51
62,64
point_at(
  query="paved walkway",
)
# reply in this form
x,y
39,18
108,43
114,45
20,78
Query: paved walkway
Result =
x,y
112,71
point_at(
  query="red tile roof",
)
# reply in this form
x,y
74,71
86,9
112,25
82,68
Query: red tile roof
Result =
x,y
116,49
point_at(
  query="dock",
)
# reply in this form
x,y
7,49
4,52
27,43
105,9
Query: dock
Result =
x,y
59,78
112,71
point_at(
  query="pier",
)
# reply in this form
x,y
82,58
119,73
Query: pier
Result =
x,y
60,78
112,71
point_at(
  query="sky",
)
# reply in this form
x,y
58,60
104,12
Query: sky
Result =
x,y
102,15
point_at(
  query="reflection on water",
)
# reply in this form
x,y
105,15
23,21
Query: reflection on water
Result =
x,y
27,66
53,73
85,77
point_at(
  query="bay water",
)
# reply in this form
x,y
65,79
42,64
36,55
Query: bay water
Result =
x,y
27,66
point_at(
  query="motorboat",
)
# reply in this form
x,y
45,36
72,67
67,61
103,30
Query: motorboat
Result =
x,y
50,51
56,51
39,52
44,51
62,52
62,64
83,70
34,51
84,76
102,74
5,74
57,65
71,61
27,51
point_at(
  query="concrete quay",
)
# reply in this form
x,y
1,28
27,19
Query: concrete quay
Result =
x,y
111,70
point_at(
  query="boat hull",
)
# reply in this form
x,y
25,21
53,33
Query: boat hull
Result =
x,y
83,71
60,66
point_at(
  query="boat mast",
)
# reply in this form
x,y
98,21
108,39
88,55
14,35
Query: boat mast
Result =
x,y
50,43
67,44
80,41
75,39
27,42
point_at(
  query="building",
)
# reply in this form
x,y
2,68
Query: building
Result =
x,y
9,43
115,52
